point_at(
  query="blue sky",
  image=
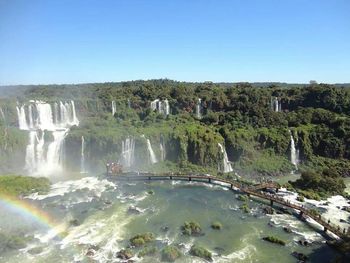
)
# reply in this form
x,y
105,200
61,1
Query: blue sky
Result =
x,y
72,41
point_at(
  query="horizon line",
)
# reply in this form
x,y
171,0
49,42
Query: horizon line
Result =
x,y
181,81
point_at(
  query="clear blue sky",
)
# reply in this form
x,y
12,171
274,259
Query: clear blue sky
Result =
x,y
71,41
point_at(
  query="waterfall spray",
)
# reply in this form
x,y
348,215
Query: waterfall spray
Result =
x,y
82,157
199,109
128,151
294,152
114,108
225,167
45,158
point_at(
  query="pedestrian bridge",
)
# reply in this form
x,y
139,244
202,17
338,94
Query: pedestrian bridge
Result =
x,y
249,189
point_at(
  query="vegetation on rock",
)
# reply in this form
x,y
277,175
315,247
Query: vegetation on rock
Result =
x,y
141,239
191,228
170,254
15,185
201,252
216,225
275,240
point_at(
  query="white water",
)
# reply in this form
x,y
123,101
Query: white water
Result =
x,y
276,104
82,158
2,115
152,155
226,165
128,150
161,106
45,157
199,109
114,108
162,151
294,153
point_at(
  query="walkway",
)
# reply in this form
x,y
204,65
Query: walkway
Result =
x,y
250,190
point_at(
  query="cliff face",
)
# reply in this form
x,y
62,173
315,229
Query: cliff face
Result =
x,y
254,124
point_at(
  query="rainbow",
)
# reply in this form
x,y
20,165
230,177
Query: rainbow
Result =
x,y
26,210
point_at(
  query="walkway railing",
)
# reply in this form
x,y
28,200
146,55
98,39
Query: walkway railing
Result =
x,y
254,190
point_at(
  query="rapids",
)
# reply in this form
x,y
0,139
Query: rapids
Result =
x,y
96,217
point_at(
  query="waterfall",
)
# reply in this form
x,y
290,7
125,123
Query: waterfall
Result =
x,y
294,152
114,108
82,157
226,165
3,115
22,121
199,109
129,104
276,104
128,149
30,163
30,116
162,151
152,155
161,106
166,107
45,157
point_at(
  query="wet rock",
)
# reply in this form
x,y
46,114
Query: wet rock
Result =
x,y
346,208
287,229
268,210
270,224
35,250
300,256
90,253
164,228
304,243
343,221
108,202
94,247
74,222
133,210
124,254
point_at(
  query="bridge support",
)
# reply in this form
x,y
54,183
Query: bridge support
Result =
x,y
209,180
171,178
231,186
277,190
271,202
325,229
301,213
149,177
189,178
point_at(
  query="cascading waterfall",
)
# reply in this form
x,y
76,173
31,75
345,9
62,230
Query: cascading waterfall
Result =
x,y
161,106
162,150
294,152
3,116
128,150
276,104
225,167
114,108
22,121
199,109
152,155
129,104
82,157
42,157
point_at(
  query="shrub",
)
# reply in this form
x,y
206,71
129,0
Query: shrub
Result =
x,y
170,254
201,252
275,240
191,228
216,225
243,198
245,208
147,251
141,239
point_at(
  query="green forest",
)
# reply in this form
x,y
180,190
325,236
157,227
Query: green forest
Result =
x,y
240,116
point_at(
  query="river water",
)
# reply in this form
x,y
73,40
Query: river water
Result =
x,y
107,214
